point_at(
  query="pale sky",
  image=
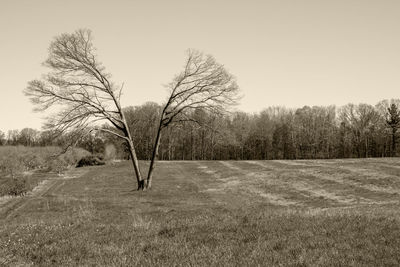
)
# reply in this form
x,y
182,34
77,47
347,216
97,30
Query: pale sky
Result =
x,y
291,53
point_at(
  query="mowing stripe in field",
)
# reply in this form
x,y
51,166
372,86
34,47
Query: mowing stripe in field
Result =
x,y
346,182
309,185
366,177
232,181
290,185
353,179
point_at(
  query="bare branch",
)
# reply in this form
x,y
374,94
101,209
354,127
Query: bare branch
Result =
x,y
78,84
204,84
112,132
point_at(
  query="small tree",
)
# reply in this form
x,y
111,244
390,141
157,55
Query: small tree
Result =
x,y
203,84
2,138
80,86
393,121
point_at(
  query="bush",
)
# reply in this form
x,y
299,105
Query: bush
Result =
x,y
57,165
15,187
17,163
15,160
72,156
89,161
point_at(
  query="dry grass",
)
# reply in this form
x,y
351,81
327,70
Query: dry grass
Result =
x,y
270,213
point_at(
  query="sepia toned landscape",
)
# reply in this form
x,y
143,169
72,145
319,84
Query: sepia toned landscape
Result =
x,y
297,213
199,133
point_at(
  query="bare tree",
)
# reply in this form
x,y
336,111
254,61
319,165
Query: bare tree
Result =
x,y
28,137
362,119
81,88
203,84
2,138
12,137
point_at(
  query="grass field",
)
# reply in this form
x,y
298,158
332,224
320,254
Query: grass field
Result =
x,y
209,213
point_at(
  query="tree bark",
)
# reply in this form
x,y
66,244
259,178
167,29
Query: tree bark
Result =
x,y
135,163
154,157
131,147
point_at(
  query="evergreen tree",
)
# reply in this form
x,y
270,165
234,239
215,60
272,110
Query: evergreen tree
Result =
x,y
393,121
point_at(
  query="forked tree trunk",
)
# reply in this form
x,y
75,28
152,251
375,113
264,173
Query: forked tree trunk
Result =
x,y
153,158
135,162
131,147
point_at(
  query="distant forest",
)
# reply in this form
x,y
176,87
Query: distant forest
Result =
x,y
351,131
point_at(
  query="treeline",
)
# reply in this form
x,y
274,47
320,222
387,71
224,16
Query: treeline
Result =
x,y
275,133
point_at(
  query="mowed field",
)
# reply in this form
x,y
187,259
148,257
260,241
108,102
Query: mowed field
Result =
x,y
210,213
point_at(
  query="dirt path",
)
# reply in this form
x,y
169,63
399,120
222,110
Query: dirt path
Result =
x,y
10,205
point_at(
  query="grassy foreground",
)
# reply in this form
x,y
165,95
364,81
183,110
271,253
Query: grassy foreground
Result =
x,y
244,213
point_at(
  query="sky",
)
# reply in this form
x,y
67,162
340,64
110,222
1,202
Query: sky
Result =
x,y
282,52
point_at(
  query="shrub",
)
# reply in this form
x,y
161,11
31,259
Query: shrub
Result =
x,y
16,187
15,160
89,161
32,161
11,164
72,156
57,165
